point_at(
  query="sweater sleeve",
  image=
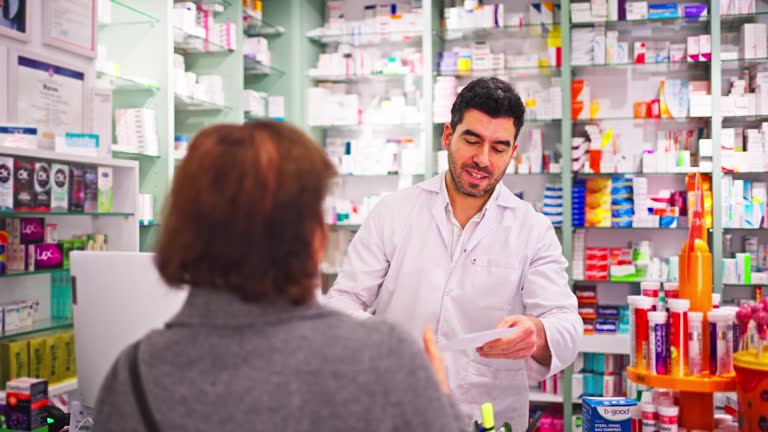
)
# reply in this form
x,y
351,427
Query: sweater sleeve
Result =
x,y
411,389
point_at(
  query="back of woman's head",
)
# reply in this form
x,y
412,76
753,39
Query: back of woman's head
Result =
x,y
245,213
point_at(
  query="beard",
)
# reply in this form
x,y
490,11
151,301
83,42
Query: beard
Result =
x,y
469,189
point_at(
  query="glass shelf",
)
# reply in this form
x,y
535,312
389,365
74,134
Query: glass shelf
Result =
x,y
750,117
39,326
738,18
146,224
118,83
133,16
344,226
363,78
360,39
667,66
746,61
45,214
34,273
256,68
186,103
630,228
677,119
670,21
527,29
491,72
132,155
265,29
745,229
187,43
635,174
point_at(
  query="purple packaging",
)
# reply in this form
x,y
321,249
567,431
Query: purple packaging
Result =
x,y
658,336
76,189
48,256
696,10
32,230
91,184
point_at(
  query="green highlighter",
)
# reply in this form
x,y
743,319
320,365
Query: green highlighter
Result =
x,y
488,423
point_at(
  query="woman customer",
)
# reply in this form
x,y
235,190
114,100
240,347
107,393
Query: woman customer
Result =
x,y
251,349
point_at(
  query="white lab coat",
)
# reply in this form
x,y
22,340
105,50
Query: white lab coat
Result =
x,y
400,263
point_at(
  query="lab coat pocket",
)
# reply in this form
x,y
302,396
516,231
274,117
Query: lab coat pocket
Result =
x,y
503,388
495,283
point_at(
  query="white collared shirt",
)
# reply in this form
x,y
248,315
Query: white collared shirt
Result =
x,y
459,236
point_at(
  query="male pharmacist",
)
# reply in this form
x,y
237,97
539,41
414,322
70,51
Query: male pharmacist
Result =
x,y
464,254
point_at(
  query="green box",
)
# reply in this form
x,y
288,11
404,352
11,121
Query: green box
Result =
x,y
39,366
105,189
14,360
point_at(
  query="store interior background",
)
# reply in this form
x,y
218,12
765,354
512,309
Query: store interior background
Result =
x,y
282,65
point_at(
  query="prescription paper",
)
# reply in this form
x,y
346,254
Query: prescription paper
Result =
x,y
475,340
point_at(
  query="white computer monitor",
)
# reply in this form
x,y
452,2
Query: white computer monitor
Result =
x,y
117,297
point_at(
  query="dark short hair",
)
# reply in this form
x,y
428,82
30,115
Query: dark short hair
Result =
x,y
245,211
491,96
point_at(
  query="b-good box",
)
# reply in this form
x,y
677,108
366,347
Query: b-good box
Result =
x,y
607,414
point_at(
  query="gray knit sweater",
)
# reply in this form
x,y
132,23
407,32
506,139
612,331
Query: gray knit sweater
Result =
x,y
225,365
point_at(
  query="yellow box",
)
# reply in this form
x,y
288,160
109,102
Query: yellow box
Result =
x,y
14,360
53,345
39,362
69,362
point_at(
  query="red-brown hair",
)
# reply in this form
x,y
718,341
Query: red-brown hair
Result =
x,y
245,211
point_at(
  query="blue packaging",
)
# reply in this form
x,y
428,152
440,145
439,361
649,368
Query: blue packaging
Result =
x,y
608,311
606,326
663,11
607,414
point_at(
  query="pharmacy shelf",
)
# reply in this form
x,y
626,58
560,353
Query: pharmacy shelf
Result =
x,y
746,118
745,229
41,326
363,39
636,174
752,285
343,226
654,67
605,343
32,273
119,83
129,16
44,214
363,78
544,397
681,21
186,103
643,119
371,126
133,155
62,388
146,224
256,68
64,157
543,174
582,228
187,43
602,282
741,17
265,29
539,70
524,29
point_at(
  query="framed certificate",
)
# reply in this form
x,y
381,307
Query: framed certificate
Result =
x,y
46,94
70,25
14,19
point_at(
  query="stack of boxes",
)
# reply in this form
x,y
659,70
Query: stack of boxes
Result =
x,y
600,375
744,203
579,259
587,298
578,202
598,202
552,385
597,264
581,102
622,203
190,19
446,90
207,88
136,131
24,404
749,266
48,356
553,203
744,150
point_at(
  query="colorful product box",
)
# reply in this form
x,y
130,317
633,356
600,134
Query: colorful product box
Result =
x,y
14,360
32,230
69,361
76,189
47,256
42,186
39,366
23,186
60,188
91,183
27,399
105,190
663,11
53,345
17,257
607,414
6,183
